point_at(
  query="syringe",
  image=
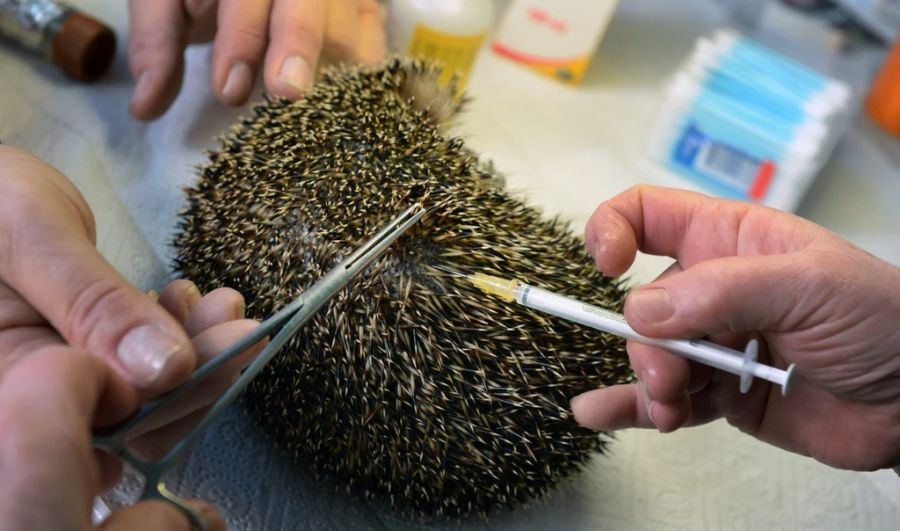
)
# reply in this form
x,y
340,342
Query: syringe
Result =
x,y
743,364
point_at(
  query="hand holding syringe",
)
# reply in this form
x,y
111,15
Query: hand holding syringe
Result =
x,y
743,364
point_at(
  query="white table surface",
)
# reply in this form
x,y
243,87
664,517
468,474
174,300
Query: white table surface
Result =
x,y
563,148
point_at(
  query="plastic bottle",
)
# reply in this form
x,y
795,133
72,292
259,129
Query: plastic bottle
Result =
x,y
883,100
449,31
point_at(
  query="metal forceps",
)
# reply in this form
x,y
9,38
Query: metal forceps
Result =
x,y
288,322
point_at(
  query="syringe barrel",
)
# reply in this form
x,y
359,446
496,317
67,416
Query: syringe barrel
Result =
x,y
574,310
717,356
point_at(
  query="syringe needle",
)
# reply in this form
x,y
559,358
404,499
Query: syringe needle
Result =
x,y
449,270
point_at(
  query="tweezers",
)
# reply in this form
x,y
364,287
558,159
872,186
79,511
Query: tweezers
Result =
x,y
286,322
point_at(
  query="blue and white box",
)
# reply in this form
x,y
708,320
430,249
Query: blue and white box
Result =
x,y
742,121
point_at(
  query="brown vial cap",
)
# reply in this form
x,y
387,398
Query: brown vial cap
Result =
x,y
84,47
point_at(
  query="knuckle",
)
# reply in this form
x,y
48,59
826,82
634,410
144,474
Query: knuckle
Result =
x,y
95,310
31,193
246,36
820,274
153,51
306,39
639,189
306,34
153,42
339,47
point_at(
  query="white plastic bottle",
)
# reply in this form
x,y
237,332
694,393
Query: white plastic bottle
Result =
x,y
449,31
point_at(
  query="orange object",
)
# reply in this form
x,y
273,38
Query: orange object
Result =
x,y
883,101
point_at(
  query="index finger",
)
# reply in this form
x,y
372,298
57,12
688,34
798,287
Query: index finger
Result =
x,y
48,402
297,28
159,33
688,226
67,389
47,257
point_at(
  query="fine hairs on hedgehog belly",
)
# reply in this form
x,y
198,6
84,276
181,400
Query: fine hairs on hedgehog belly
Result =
x,y
411,387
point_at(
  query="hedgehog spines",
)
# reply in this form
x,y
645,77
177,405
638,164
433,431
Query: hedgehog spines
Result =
x,y
411,386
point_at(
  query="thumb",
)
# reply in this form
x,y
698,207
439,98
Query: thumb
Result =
x,y
93,307
747,293
47,256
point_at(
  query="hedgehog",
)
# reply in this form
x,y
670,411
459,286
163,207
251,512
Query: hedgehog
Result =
x,y
410,387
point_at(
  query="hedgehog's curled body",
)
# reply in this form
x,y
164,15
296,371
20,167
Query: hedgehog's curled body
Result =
x,y
411,386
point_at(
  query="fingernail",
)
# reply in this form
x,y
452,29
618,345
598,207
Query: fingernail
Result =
x,y
590,413
574,401
650,411
653,305
295,71
597,250
192,296
238,83
573,404
580,407
239,309
142,86
642,389
591,245
145,351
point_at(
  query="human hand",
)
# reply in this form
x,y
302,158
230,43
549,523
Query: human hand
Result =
x,y
292,35
214,321
55,287
57,290
59,299
815,300
49,402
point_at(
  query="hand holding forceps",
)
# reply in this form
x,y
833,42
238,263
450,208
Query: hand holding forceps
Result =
x,y
288,322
